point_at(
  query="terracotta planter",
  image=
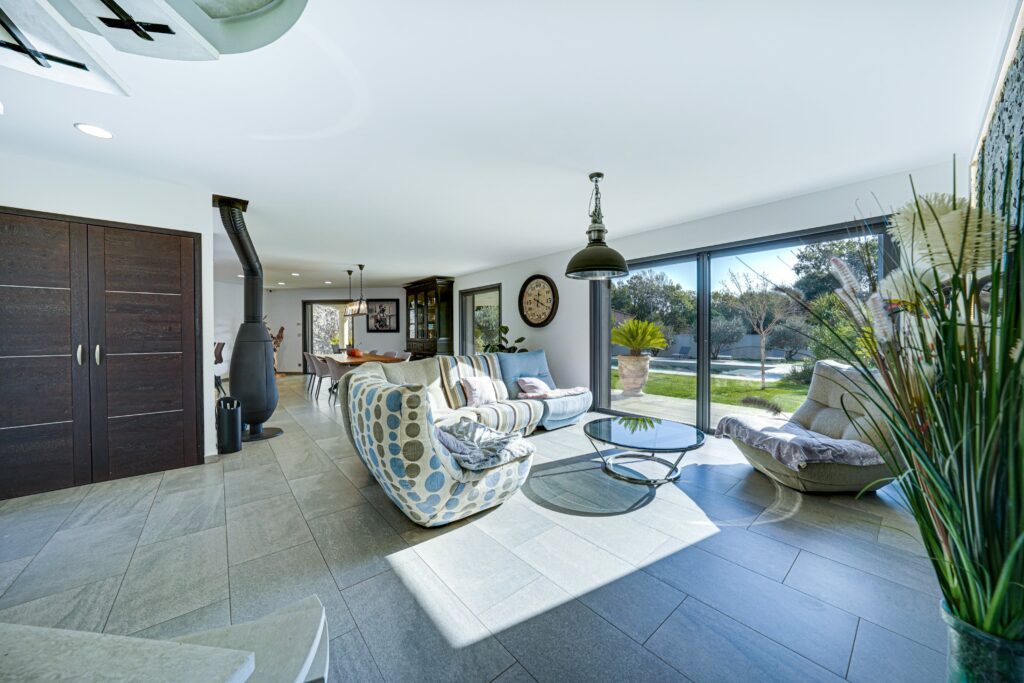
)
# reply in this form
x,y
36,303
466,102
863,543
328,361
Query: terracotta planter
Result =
x,y
633,371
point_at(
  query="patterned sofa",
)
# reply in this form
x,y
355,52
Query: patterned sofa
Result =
x,y
391,411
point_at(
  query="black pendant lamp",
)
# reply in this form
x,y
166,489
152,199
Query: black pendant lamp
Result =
x,y
596,261
358,308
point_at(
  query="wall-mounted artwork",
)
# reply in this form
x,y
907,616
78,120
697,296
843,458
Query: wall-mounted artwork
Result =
x,y
382,315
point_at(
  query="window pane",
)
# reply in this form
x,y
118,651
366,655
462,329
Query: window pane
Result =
x,y
664,384
763,345
328,327
486,314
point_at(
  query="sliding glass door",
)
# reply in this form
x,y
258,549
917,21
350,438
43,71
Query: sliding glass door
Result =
x,y
737,342
665,295
763,343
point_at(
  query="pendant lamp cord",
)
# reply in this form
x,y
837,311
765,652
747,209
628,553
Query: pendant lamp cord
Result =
x,y
595,202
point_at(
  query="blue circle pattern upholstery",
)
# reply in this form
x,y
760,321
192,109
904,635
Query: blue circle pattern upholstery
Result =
x,y
394,435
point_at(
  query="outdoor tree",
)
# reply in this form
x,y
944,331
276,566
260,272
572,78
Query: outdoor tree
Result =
x,y
813,270
791,336
653,296
763,308
681,312
485,326
326,324
725,330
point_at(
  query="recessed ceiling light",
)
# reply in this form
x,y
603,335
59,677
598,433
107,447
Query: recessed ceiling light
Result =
x,y
295,274
94,131
327,282
240,275
1,107
280,283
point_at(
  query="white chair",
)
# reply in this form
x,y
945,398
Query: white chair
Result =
x,y
323,371
404,356
373,352
391,354
310,371
337,370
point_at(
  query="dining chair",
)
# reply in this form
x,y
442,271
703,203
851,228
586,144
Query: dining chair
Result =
x,y
390,354
337,370
310,370
322,372
218,359
404,356
373,352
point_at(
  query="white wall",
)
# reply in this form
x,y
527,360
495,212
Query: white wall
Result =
x,y
284,307
228,315
566,339
41,185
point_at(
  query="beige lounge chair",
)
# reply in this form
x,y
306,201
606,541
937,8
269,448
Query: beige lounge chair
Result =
x,y
833,417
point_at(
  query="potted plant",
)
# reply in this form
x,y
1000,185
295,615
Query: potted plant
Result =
x,y
637,336
941,349
336,343
502,345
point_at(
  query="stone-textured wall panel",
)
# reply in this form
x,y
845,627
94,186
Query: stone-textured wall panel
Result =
x,y
1005,137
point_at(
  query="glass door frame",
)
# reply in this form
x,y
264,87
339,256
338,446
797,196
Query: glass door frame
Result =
x,y
466,297
600,299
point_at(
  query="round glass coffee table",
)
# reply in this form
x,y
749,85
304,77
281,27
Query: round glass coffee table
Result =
x,y
644,439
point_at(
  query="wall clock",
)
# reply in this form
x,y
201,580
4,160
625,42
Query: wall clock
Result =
x,y
538,301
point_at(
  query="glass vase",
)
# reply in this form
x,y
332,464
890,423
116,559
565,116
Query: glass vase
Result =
x,y
978,657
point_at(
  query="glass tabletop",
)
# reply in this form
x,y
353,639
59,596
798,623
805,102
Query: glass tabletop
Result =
x,y
648,434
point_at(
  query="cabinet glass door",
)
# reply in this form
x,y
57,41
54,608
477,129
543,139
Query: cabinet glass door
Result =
x,y
431,314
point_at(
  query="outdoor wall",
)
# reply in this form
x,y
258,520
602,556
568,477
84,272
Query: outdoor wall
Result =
x,y
284,307
43,185
566,339
228,315
1005,137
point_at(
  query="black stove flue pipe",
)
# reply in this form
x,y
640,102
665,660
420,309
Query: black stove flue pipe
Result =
x,y
252,358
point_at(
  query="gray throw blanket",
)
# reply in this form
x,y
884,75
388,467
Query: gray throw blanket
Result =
x,y
477,447
793,445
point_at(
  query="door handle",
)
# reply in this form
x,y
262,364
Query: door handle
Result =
x,y
97,354
78,354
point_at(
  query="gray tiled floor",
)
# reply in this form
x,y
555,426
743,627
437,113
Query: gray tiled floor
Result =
x,y
579,577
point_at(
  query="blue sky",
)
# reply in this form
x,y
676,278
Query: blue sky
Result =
x,y
775,264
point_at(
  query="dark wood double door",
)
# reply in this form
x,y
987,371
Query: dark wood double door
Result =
x,y
98,362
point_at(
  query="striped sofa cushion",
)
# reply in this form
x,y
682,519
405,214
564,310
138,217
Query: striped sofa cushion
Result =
x,y
511,416
454,368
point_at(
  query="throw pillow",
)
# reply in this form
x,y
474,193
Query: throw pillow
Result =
x,y
479,391
533,385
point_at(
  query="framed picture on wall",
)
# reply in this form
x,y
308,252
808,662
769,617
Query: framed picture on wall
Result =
x,y
382,315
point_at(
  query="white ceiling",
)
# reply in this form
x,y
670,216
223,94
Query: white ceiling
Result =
x,y
449,136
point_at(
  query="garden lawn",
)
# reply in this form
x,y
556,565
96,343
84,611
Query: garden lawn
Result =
x,y
787,395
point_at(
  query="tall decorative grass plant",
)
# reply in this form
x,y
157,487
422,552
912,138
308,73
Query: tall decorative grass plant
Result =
x,y
943,335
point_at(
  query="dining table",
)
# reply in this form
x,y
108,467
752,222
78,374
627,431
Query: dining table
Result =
x,y
348,359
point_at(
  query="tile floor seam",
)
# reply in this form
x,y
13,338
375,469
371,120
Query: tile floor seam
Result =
x,y
514,662
124,574
791,565
227,559
853,648
773,640
20,571
900,635
56,529
274,552
675,609
846,611
362,638
459,599
861,569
